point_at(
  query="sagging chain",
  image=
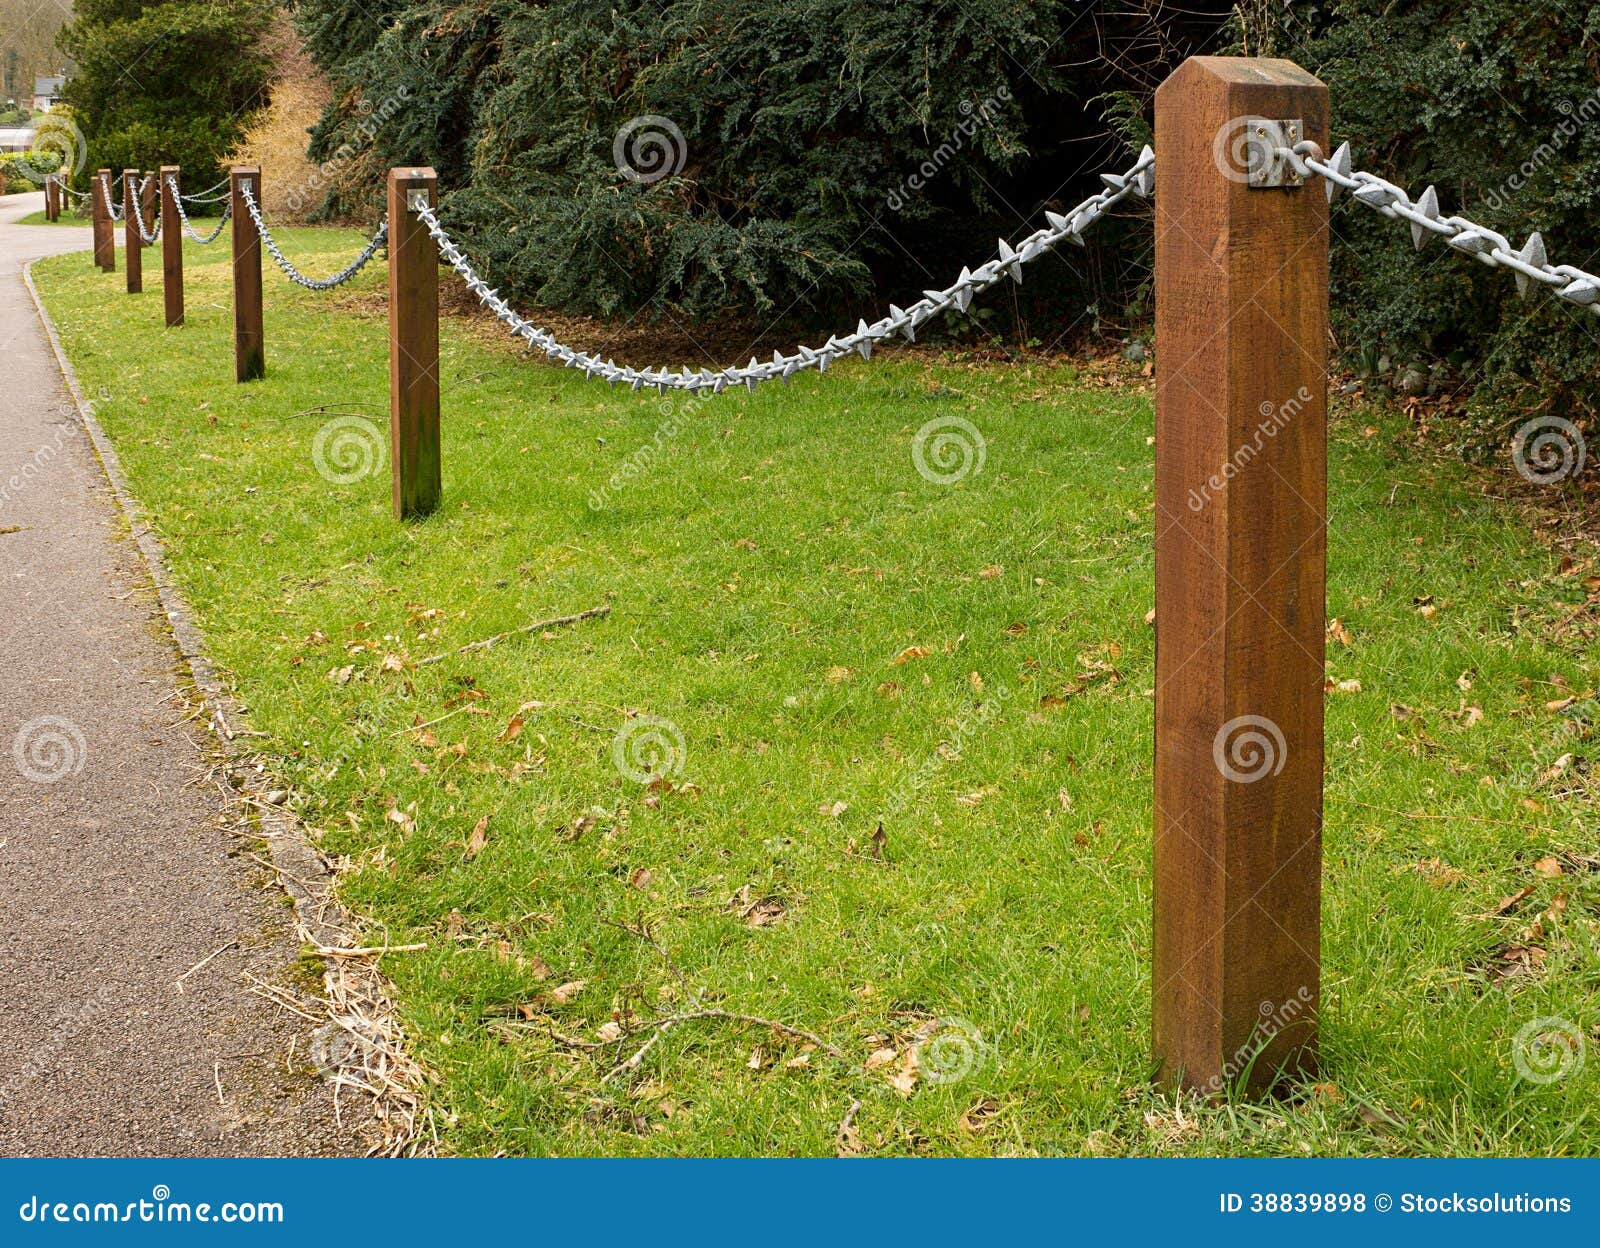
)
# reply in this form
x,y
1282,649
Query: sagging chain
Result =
x,y
1528,263
208,196
177,202
149,236
1139,180
105,193
294,274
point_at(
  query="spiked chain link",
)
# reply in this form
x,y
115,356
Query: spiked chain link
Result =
x,y
1139,180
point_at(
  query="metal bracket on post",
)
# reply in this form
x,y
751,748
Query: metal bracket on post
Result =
x,y
1265,161
416,197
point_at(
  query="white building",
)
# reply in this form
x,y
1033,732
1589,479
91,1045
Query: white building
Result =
x,y
46,91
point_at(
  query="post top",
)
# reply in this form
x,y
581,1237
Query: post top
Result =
x,y
413,173
245,171
1257,71
169,168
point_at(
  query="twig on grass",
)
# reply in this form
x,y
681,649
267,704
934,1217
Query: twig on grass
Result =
x,y
663,1025
370,952
484,644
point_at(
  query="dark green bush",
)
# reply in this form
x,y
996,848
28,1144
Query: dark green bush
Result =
x,y
805,126
1496,102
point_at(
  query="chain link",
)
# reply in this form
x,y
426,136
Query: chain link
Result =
x,y
105,193
294,274
1528,263
149,236
1139,180
177,202
202,196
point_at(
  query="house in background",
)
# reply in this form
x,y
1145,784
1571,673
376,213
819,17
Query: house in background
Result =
x,y
46,91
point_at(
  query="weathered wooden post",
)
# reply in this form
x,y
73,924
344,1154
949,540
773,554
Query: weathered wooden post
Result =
x,y
132,240
1241,463
413,346
105,241
249,338
50,213
171,247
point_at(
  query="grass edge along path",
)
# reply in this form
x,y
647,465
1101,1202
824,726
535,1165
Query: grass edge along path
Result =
x,y
673,811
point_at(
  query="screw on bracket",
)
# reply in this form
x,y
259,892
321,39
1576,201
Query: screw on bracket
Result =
x,y
1265,160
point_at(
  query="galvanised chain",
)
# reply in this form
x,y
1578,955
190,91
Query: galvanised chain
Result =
x,y
177,202
201,197
294,274
1139,180
1529,264
149,236
105,194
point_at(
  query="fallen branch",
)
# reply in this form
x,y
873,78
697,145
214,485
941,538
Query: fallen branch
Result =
x,y
538,625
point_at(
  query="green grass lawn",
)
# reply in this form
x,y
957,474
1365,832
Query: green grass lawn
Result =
x,y
769,566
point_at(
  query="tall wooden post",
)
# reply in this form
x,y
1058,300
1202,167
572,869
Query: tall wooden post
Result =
x,y
413,347
132,240
1241,301
105,240
249,337
171,247
50,197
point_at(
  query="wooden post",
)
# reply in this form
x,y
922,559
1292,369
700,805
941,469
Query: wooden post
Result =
x,y
105,240
49,197
249,338
1241,300
132,240
171,247
413,348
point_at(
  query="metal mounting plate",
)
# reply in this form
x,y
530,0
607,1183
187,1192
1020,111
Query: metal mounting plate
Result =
x,y
1264,161
416,198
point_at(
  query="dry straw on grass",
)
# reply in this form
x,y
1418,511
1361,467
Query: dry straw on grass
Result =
x,y
277,142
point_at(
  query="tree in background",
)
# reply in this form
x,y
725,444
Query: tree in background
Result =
x,y
755,156
166,81
28,36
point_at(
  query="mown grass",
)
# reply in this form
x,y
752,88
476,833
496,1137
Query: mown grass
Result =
x,y
764,570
